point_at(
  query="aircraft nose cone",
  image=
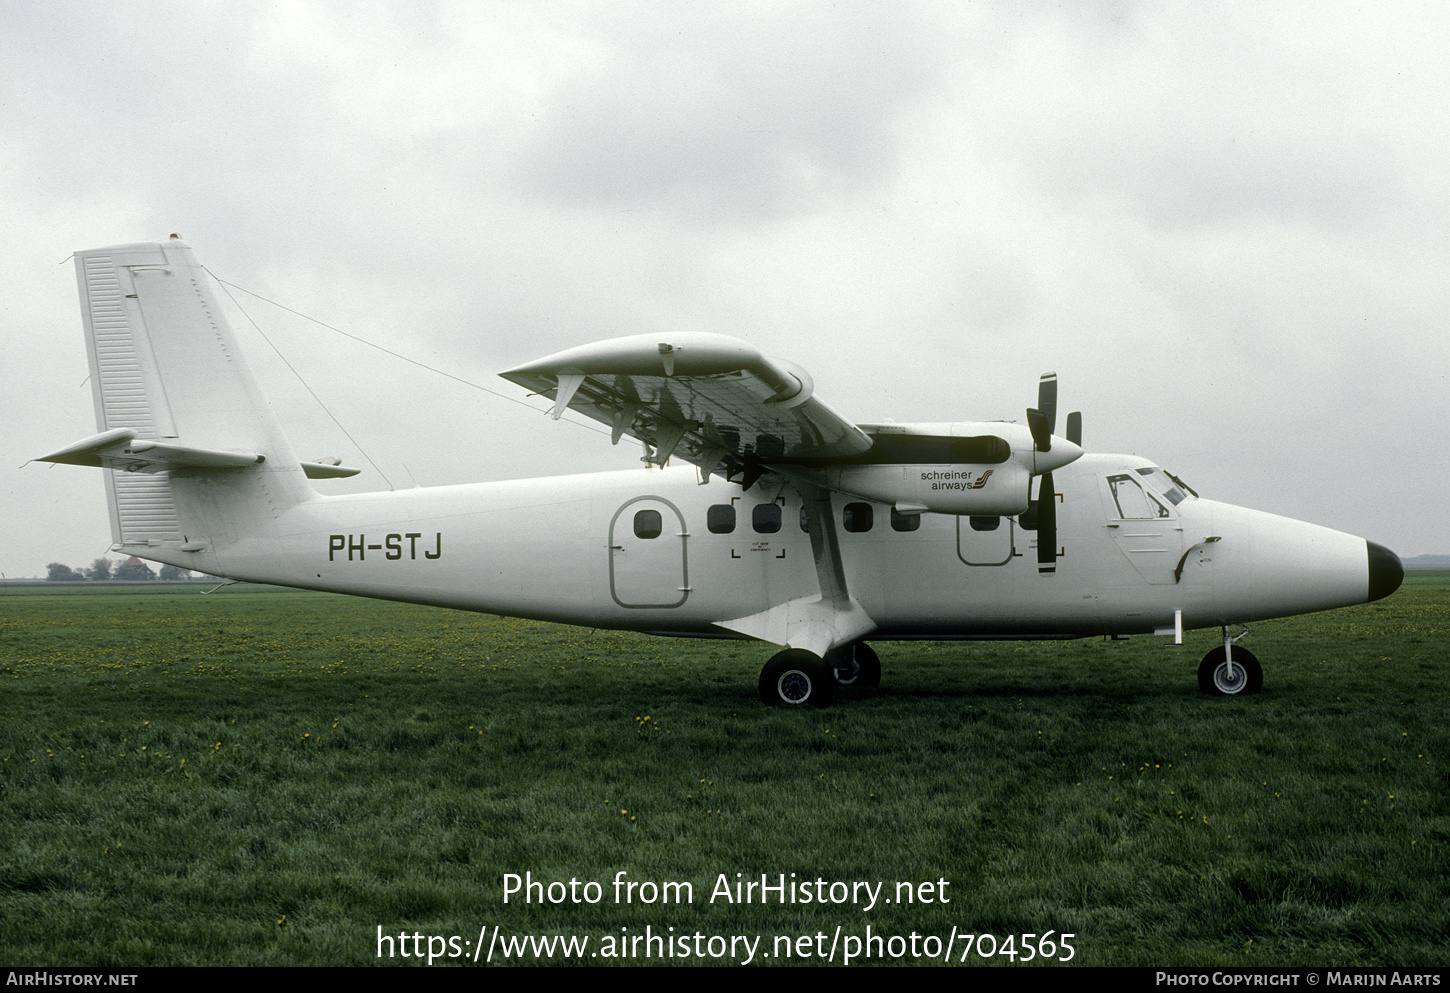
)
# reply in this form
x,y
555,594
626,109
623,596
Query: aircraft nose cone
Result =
x,y
1385,571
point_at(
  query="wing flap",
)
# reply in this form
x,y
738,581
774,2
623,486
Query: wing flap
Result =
x,y
705,398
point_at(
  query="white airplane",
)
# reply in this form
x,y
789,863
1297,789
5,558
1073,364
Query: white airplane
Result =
x,y
789,525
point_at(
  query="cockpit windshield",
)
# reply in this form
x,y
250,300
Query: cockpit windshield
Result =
x,y
1168,484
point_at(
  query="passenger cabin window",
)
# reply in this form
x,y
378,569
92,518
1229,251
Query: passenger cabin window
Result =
x,y
985,523
648,524
720,519
805,521
1133,503
765,518
904,522
858,517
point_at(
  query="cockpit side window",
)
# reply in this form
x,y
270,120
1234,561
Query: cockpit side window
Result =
x,y
1133,503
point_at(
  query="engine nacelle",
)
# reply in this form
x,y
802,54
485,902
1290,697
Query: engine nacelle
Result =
x,y
983,469
1001,490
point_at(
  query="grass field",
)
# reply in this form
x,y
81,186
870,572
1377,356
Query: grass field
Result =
x,y
268,777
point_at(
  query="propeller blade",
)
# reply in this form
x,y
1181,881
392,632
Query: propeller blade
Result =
x,y
1042,419
1046,526
1047,401
1041,430
1074,428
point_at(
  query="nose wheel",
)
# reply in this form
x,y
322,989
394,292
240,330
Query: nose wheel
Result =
x,y
1217,677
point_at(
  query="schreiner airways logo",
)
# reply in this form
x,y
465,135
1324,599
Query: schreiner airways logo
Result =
x,y
956,480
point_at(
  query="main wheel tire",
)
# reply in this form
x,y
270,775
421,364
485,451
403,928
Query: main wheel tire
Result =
x,y
1213,675
855,665
796,677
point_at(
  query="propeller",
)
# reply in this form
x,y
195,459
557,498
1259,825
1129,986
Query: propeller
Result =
x,y
1042,422
1046,527
1042,419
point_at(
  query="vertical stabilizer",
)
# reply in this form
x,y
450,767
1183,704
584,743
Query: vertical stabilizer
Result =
x,y
166,370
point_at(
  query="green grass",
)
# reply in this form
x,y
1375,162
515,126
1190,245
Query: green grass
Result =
x,y
268,778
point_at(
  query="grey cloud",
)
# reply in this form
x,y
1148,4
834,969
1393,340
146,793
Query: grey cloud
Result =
x,y
735,117
1187,119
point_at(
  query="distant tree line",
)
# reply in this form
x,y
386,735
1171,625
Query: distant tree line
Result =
x,y
102,569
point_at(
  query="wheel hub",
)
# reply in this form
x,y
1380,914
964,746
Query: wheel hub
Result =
x,y
1228,682
794,686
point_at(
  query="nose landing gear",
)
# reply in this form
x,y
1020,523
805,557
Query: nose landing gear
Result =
x,y
1230,671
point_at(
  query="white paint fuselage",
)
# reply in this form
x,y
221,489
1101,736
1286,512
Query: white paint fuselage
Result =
x,y
564,549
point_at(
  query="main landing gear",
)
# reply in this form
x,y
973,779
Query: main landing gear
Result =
x,y
855,665
1230,671
796,677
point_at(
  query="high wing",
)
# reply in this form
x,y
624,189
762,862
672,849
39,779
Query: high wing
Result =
x,y
709,399
717,402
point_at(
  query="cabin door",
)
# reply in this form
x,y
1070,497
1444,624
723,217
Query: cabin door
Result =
x,y
647,557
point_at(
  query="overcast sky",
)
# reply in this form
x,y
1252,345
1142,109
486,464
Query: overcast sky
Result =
x,y
1223,225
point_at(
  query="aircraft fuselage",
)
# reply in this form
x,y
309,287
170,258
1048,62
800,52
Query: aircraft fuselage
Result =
x,y
654,550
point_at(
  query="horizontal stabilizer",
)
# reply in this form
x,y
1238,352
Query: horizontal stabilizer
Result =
x,y
119,449
328,470
87,451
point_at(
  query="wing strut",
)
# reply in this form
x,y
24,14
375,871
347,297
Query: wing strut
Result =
x,y
820,623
